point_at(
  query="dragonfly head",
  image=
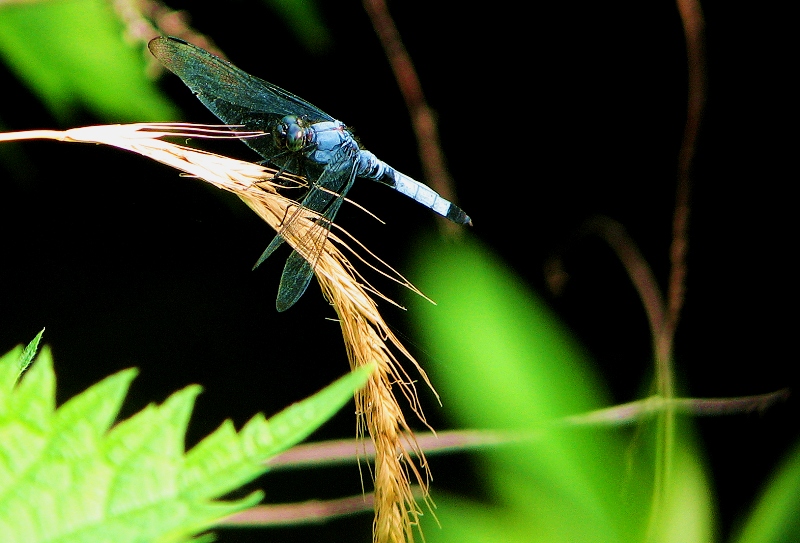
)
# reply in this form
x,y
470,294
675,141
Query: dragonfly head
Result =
x,y
293,133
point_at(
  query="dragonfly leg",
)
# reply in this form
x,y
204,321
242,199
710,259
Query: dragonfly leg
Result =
x,y
277,177
285,214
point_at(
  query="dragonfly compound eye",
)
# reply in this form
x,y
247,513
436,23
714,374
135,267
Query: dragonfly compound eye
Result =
x,y
291,133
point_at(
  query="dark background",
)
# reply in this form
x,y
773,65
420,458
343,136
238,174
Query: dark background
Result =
x,y
547,118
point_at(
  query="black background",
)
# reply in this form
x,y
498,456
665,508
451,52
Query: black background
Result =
x,y
547,118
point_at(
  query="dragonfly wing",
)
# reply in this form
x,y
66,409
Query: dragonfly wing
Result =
x,y
276,242
234,96
333,183
297,274
325,197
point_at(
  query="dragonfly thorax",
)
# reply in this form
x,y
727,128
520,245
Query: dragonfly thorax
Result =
x,y
293,133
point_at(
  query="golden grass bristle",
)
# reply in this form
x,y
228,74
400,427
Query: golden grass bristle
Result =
x,y
367,337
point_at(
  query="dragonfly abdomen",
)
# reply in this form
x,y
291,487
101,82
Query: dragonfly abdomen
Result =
x,y
429,198
332,137
371,167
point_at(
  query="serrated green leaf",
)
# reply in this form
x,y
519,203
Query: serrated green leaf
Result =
x,y
83,420
9,373
151,472
72,53
297,421
260,439
26,422
66,478
33,399
30,351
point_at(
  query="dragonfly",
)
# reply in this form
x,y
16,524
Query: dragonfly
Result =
x,y
300,139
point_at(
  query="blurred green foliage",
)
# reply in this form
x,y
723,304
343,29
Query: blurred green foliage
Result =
x,y
73,54
305,20
501,360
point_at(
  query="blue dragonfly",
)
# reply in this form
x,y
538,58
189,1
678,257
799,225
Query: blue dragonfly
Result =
x,y
300,139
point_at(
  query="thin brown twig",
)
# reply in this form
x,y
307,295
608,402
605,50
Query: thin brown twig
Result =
x,y
309,512
637,268
693,25
345,451
634,412
422,116
692,20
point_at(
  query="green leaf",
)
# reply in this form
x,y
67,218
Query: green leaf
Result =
x,y
72,54
67,475
219,455
14,363
29,352
305,20
774,518
500,359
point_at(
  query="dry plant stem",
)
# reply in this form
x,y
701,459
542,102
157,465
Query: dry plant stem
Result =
x,y
635,412
342,451
300,513
367,337
367,340
309,512
639,271
693,25
422,116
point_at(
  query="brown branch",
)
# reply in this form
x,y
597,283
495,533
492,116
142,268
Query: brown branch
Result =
x,y
341,451
423,118
633,412
310,512
693,26
637,268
